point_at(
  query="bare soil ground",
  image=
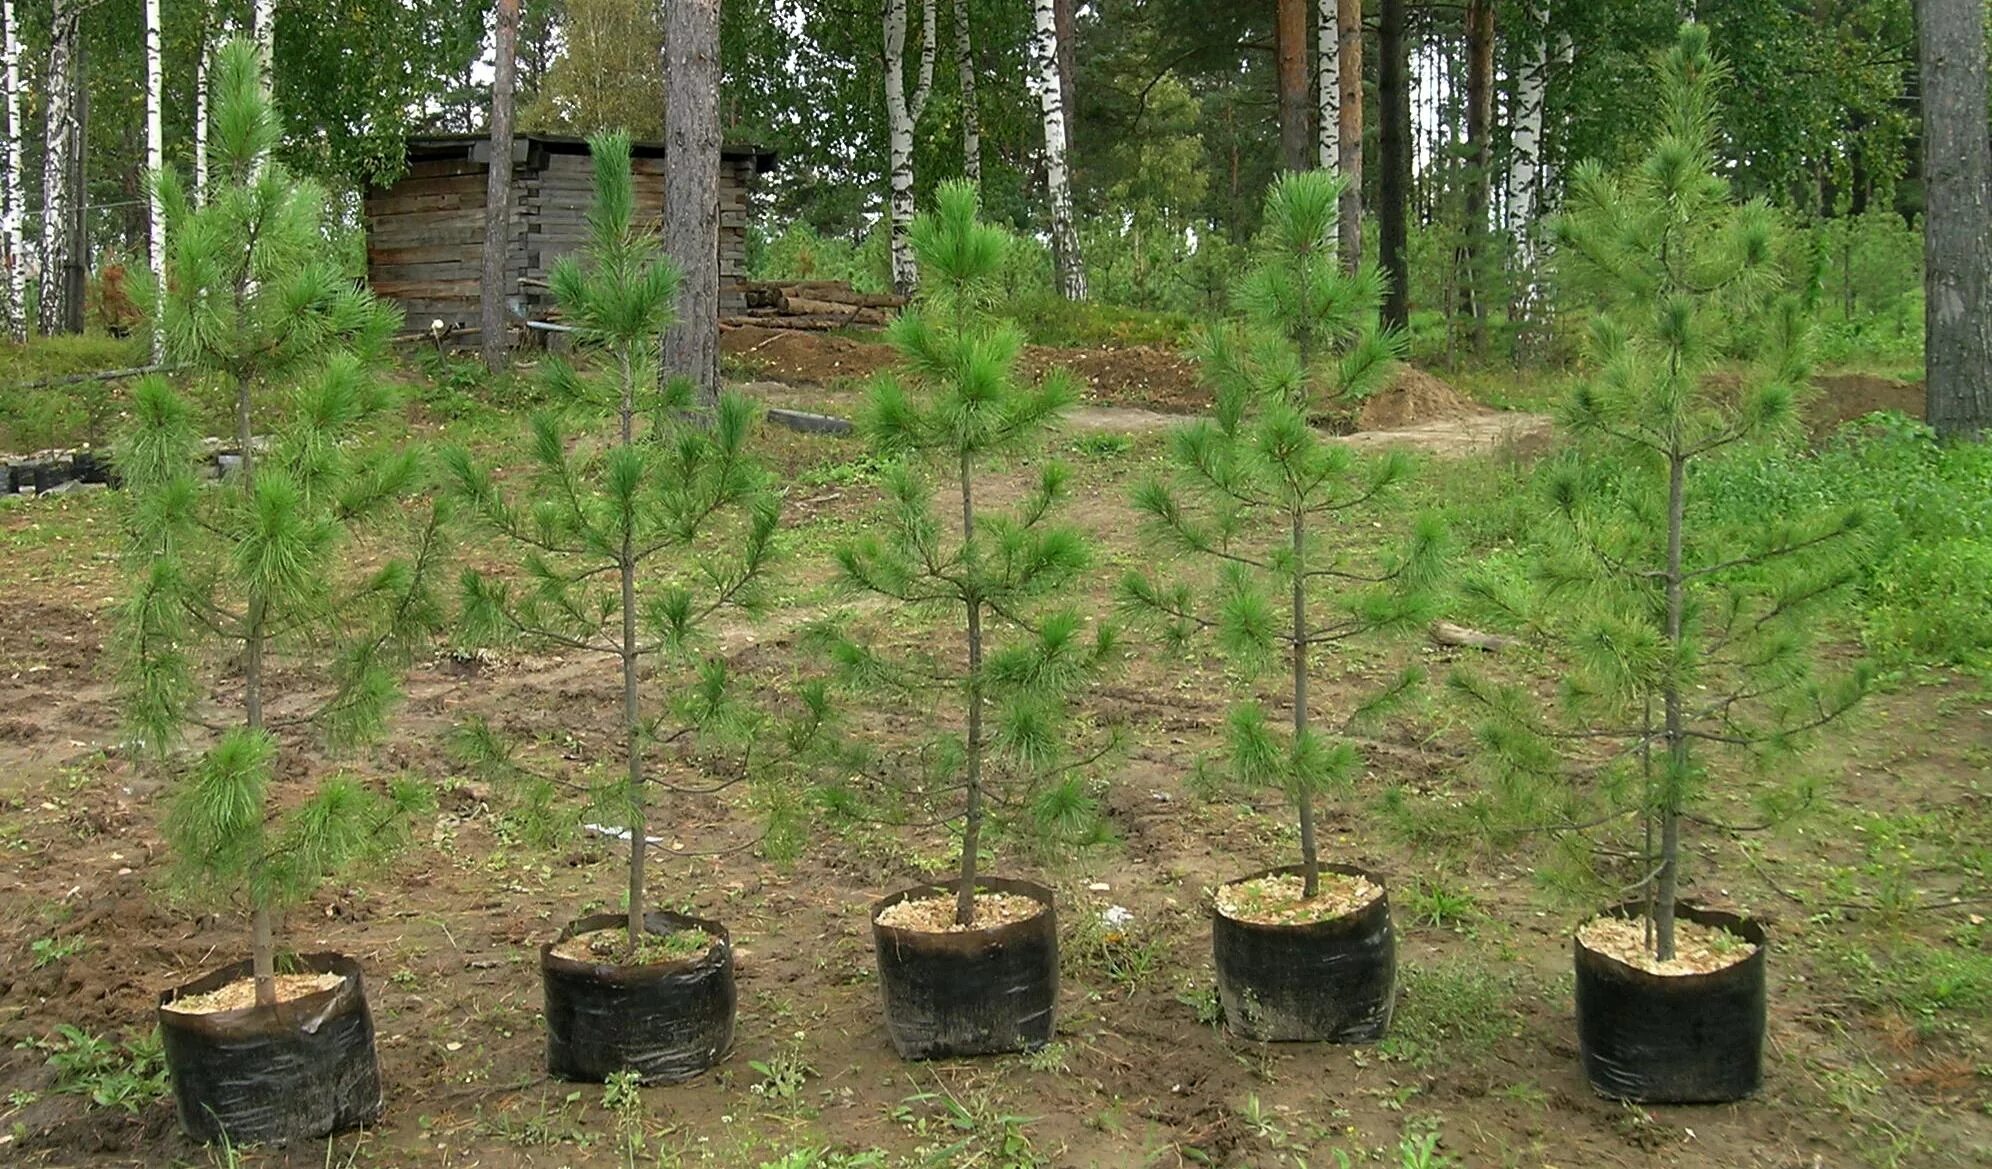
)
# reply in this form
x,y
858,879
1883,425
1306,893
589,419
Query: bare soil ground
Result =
x,y
1878,1053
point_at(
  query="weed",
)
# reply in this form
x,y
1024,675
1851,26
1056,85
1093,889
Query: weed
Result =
x,y
1114,942
1437,902
966,1132
1103,444
1052,1058
623,1099
1201,997
48,951
782,1074
127,1075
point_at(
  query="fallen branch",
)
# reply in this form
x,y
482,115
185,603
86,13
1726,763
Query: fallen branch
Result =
x,y
1459,636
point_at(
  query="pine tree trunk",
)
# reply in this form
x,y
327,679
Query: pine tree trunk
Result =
x,y
1349,135
59,161
1328,86
1393,187
1480,160
1310,854
1674,725
899,129
13,185
971,835
1290,51
1524,159
155,163
494,287
639,820
1068,42
1957,233
255,640
1058,180
971,115
691,196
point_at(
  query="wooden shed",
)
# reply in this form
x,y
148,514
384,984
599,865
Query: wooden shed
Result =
x,y
425,231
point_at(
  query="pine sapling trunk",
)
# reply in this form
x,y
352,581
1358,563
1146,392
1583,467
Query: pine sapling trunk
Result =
x,y
971,836
1677,740
632,714
255,625
1310,857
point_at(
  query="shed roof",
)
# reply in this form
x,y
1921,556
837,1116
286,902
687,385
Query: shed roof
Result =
x,y
453,145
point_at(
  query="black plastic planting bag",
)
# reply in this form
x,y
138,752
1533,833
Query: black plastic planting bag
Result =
x,y
301,1069
1673,1038
1327,980
974,992
666,1022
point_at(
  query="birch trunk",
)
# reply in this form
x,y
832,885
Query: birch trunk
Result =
x,y
1525,158
201,116
13,188
1957,178
691,196
971,116
1290,51
59,161
263,24
1349,133
155,163
1328,85
900,117
493,335
1058,180
1068,40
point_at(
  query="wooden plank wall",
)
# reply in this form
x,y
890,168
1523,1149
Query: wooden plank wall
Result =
x,y
425,233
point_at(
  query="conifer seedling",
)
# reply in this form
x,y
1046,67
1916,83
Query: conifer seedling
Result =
x,y
1690,639
1267,500
633,542
955,406
301,559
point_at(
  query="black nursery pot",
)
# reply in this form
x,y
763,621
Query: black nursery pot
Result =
x,y
302,1069
1333,981
1673,1038
975,992
666,1022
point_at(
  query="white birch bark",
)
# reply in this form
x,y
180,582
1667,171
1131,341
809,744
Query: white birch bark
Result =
x,y
1058,180
13,245
1525,149
900,117
971,116
201,117
59,159
1328,83
155,162
263,16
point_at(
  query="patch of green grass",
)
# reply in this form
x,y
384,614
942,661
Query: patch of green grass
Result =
x,y
1453,1012
128,1075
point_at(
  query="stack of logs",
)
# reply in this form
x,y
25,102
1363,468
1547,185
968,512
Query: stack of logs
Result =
x,y
813,304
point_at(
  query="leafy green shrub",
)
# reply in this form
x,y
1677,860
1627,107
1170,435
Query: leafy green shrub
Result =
x,y
126,1074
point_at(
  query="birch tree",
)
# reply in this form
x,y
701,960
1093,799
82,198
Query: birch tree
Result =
x,y
13,243
263,23
1058,179
971,117
492,335
1328,84
902,112
1525,157
155,162
691,195
59,159
201,114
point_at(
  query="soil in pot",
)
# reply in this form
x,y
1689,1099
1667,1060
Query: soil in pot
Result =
x,y
1688,1031
667,1015
1292,970
952,992
270,1075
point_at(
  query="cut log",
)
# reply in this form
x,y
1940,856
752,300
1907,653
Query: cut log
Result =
x,y
1460,637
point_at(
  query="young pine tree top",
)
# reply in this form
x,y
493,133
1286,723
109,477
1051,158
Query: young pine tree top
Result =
x,y
956,402
1690,634
1263,496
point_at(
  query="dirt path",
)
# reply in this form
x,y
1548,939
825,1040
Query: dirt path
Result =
x,y
1448,437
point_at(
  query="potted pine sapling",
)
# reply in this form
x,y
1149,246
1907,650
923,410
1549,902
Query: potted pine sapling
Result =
x,y
1306,951
248,594
1689,634
631,546
969,966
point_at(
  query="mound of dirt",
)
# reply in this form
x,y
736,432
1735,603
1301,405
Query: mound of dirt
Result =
x,y
1415,399
1843,397
1146,376
787,355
